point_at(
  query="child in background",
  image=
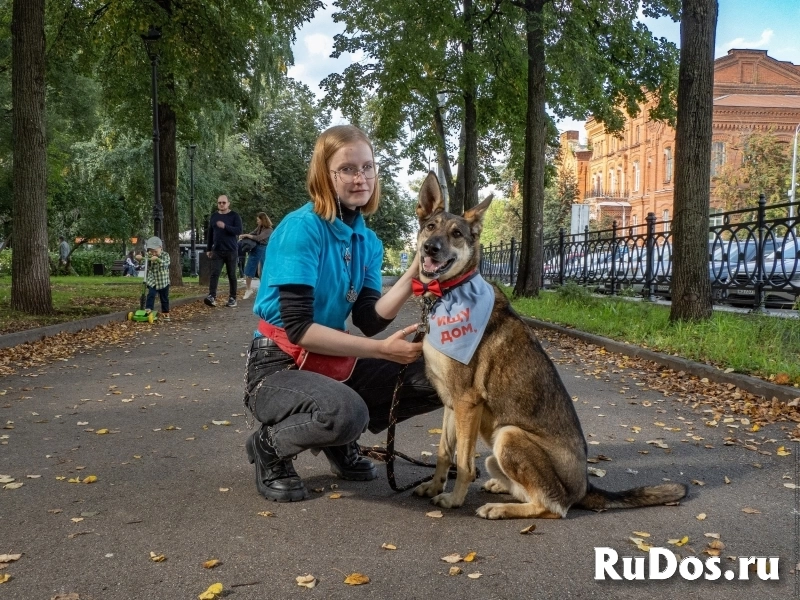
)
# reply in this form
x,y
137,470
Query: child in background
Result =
x,y
157,279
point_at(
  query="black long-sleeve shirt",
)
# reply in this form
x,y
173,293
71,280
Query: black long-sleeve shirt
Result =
x,y
224,240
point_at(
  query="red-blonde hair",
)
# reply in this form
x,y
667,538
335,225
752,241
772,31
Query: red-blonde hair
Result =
x,y
320,183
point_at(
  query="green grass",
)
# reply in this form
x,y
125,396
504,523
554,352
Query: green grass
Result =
x,y
81,297
768,347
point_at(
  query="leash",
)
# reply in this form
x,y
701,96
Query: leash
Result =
x,y
389,454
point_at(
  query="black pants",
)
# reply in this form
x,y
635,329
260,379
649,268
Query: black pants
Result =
x,y
229,259
308,410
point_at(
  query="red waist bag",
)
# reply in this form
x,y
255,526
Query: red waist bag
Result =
x,y
339,368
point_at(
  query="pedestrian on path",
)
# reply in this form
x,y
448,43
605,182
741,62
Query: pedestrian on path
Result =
x,y
157,279
255,260
324,264
224,228
63,253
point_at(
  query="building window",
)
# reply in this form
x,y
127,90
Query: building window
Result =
x,y
667,165
621,181
715,218
717,157
665,218
638,133
635,220
612,182
636,176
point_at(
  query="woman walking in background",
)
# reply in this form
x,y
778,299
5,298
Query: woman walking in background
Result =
x,y
260,235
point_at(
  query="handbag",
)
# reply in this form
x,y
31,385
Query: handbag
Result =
x,y
339,368
247,245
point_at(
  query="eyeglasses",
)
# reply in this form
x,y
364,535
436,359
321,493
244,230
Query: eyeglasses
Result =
x,y
349,174
221,203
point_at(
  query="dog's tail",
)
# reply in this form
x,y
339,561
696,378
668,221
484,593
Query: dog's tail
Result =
x,y
597,499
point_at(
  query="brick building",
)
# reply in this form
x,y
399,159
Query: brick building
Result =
x,y
626,176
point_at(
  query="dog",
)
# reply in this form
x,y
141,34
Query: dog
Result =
x,y
508,391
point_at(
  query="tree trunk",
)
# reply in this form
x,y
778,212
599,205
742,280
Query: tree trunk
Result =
x,y
691,287
457,200
30,264
531,250
441,153
169,186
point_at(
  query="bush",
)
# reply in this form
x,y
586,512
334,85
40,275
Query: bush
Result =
x,y
83,259
5,262
572,292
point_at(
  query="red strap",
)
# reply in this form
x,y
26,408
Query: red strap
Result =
x,y
278,335
436,288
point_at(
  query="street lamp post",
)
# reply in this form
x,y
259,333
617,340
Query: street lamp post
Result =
x,y
442,98
794,173
150,40
193,251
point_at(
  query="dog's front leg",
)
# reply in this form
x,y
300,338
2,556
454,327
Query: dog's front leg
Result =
x,y
467,416
444,458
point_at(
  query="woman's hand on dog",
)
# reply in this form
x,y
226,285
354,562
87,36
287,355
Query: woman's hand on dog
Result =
x,y
397,349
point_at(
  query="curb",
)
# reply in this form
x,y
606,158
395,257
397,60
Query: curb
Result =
x,y
755,386
34,335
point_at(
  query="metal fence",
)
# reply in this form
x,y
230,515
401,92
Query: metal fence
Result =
x,y
753,257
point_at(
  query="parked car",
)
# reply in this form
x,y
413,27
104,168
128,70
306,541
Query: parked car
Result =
x,y
780,276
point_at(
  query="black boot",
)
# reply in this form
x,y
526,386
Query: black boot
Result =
x,y
347,463
276,478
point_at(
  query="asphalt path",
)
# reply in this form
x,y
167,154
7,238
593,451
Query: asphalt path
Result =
x,y
173,482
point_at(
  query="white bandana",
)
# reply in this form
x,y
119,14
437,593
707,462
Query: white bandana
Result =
x,y
459,318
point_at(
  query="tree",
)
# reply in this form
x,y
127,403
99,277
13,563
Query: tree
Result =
x,y
558,200
213,56
583,57
765,168
30,277
691,296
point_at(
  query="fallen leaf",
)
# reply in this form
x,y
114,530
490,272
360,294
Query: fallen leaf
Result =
x,y
76,519
452,558
13,486
528,529
473,575
426,453
6,479
33,476
639,542
213,591
7,558
698,482
306,581
712,535
643,534
72,596
4,578
454,571
437,430
210,564
470,557
751,511
701,517
101,431
727,480
791,486
266,513
157,557
389,546
679,542
782,451
356,579
596,472
335,496
434,514
224,489
221,422
90,479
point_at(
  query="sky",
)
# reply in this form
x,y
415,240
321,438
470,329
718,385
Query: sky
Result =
x,y
771,25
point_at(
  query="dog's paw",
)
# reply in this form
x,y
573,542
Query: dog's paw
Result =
x,y
494,486
447,500
429,489
492,510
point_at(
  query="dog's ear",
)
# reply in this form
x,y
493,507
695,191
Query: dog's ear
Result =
x,y
430,197
474,216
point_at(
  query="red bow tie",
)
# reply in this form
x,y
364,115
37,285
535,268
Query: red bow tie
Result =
x,y
420,288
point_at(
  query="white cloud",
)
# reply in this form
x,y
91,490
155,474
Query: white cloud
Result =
x,y
319,44
357,56
741,42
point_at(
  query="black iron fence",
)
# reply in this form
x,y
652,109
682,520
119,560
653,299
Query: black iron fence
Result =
x,y
753,257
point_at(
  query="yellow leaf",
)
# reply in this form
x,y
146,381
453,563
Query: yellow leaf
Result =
x,y
454,571
210,564
221,422
434,514
755,427
266,513
74,480
213,591
4,578
157,557
335,496
7,558
782,451
60,478
389,546
169,428
470,557
306,581
701,517
356,579
437,430
101,431
90,479
643,534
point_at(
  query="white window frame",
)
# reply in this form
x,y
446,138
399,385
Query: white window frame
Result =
x,y
665,219
636,176
667,165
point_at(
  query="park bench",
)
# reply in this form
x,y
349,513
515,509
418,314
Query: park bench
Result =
x,y
118,268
